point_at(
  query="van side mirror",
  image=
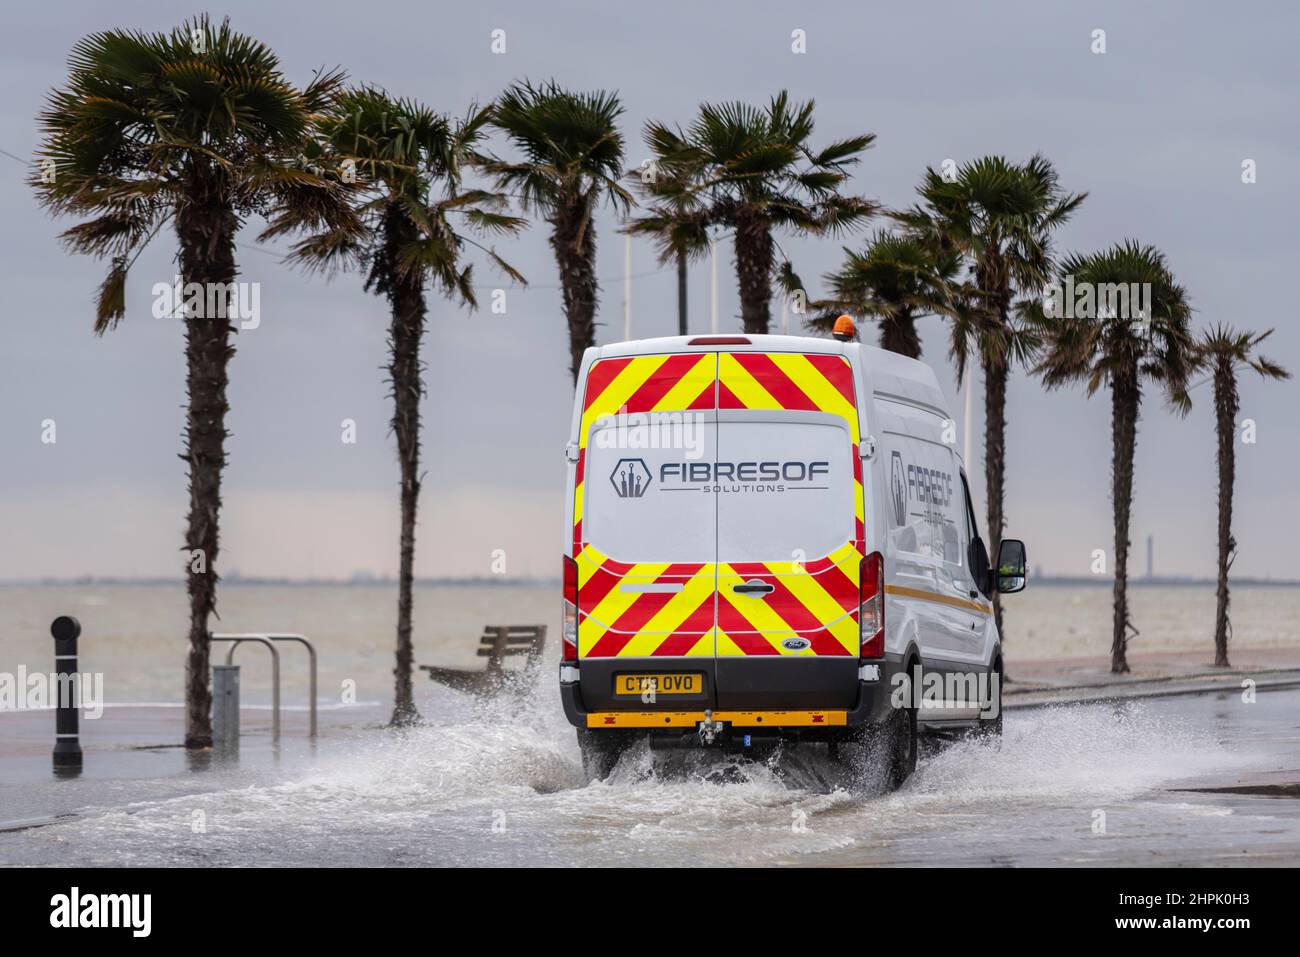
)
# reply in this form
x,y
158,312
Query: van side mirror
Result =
x,y
1012,566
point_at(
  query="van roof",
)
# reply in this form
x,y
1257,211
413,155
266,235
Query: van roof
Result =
x,y
722,341
890,375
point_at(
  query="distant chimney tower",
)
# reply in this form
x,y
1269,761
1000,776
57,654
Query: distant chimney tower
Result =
x,y
1151,556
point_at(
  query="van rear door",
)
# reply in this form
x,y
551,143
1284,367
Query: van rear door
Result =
x,y
790,530
645,541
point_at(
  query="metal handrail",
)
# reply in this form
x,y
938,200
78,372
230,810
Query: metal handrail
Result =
x,y
235,642
264,638
311,654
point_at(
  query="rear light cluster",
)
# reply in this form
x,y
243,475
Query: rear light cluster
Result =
x,y
569,622
871,606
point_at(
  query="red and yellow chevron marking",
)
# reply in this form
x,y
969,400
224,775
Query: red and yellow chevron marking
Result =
x,y
818,602
668,383
615,620
788,380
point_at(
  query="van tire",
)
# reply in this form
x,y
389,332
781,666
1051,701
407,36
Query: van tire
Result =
x,y
890,746
900,741
600,752
992,728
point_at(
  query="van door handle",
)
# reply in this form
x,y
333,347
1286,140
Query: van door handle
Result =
x,y
754,587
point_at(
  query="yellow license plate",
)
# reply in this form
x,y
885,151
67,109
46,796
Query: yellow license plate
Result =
x,y
659,684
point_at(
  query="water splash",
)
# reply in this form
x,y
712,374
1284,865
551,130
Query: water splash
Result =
x,y
499,781
1094,752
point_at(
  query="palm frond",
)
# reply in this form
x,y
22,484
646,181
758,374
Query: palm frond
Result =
x,y
997,217
1112,341
110,301
149,123
570,142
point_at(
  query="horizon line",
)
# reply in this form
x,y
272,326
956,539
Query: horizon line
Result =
x,y
498,581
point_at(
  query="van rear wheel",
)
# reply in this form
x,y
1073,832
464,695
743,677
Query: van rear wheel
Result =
x,y
600,752
891,746
900,746
898,737
992,727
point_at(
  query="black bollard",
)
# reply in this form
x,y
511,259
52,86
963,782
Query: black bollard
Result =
x,y
67,744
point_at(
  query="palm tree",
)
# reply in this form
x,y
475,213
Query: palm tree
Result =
x,y
677,222
897,279
198,128
1000,217
1224,351
754,171
404,235
1121,346
573,157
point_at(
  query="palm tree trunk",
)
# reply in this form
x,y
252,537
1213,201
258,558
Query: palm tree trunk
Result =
x,y
681,292
754,272
407,328
1226,405
1126,397
573,239
995,458
898,334
206,234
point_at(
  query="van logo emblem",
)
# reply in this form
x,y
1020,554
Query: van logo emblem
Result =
x,y
630,478
796,644
898,489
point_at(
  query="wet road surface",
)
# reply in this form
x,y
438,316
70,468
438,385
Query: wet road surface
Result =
x,y
1097,784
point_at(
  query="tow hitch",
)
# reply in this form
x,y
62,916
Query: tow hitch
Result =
x,y
709,729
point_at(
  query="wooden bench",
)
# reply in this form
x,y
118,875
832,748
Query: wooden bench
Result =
x,y
497,642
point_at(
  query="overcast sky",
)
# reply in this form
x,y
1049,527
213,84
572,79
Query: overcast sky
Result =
x,y
1156,130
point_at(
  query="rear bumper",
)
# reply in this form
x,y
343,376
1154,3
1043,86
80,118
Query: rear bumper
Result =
x,y
778,694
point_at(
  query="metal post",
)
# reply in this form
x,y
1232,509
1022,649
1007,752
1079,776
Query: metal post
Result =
x,y
67,743
681,292
225,707
713,286
966,425
627,287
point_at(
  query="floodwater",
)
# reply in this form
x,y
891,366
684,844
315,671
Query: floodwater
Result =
x,y
136,634
499,783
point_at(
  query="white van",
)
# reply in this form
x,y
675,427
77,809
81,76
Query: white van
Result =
x,y
769,539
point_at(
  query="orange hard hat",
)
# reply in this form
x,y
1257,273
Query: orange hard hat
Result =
x,y
844,328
